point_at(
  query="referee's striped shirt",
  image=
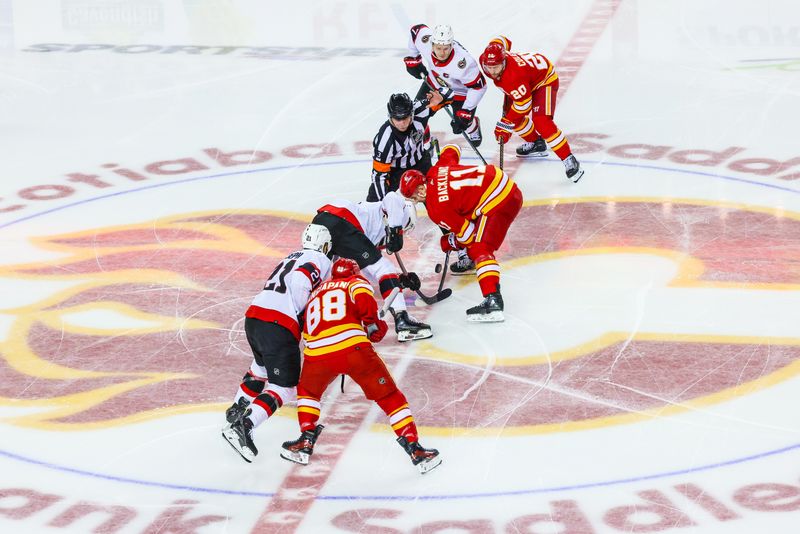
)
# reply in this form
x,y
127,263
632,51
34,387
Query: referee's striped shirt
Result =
x,y
393,149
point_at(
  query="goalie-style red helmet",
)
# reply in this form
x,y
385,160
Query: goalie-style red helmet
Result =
x,y
409,182
493,55
344,268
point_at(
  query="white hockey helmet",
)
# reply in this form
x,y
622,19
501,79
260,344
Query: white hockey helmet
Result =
x,y
411,210
317,237
442,35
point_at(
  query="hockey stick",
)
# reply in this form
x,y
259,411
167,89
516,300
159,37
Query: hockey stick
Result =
x,y
439,296
387,303
443,269
502,146
464,133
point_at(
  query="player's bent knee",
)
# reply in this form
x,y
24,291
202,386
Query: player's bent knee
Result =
x,y
392,401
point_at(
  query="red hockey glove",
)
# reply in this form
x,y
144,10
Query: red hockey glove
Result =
x,y
503,131
377,330
461,120
449,242
415,67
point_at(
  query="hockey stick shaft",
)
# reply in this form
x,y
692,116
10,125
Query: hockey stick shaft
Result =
x,y
449,112
502,151
441,295
444,271
387,303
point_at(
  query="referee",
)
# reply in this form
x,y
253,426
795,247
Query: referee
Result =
x,y
401,143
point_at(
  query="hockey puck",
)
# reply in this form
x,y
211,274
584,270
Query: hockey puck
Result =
x,y
438,268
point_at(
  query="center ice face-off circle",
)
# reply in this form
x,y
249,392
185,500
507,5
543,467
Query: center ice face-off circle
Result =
x,y
600,365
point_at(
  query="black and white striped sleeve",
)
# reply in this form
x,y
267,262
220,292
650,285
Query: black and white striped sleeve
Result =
x,y
383,153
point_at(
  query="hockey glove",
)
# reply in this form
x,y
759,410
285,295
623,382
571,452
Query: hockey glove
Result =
x,y
394,238
447,96
410,281
415,67
503,131
449,242
377,330
461,120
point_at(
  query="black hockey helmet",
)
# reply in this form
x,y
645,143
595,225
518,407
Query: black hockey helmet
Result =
x,y
400,106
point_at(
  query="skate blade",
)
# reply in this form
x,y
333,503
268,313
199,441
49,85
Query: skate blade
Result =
x,y
491,317
411,336
431,464
577,177
533,155
296,457
463,273
233,440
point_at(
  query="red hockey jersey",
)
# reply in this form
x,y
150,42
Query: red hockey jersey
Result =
x,y
336,314
457,195
524,73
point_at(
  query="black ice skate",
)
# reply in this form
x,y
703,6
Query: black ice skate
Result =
x,y
301,449
463,266
239,435
574,171
237,410
537,149
475,135
488,311
408,328
424,459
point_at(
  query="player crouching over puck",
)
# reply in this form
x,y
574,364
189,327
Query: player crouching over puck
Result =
x,y
477,203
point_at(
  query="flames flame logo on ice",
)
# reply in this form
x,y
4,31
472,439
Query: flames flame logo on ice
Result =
x,y
139,321
144,321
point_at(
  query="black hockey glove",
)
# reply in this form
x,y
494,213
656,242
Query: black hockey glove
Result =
x,y
461,120
394,238
410,281
415,67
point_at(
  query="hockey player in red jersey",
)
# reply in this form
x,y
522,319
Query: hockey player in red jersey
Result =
x,y
477,204
273,332
341,322
530,84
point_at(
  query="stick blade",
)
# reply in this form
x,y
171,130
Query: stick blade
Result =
x,y
438,297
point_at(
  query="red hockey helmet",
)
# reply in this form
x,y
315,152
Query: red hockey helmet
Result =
x,y
409,182
344,268
450,155
493,56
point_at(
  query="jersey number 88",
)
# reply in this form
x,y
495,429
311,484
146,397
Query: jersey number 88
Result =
x,y
330,307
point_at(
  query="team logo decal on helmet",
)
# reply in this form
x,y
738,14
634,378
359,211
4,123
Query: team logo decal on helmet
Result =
x,y
344,268
442,35
317,237
409,182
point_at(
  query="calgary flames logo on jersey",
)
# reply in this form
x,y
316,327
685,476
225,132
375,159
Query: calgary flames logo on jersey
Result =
x,y
144,321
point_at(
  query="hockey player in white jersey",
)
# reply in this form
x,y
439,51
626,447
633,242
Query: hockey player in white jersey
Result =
x,y
273,331
359,230
445,66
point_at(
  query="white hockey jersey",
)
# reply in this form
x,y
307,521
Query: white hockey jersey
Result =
x,y
287,290
460,71
370,215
